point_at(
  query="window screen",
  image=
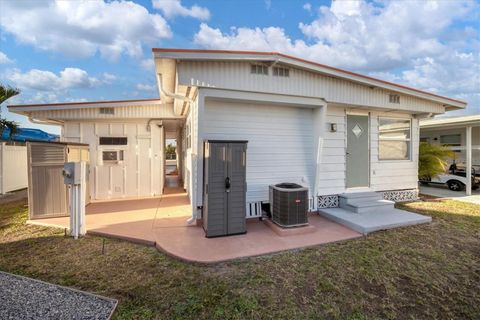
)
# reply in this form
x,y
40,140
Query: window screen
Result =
x,y
113,141
394,139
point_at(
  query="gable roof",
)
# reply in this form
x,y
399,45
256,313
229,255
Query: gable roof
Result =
x,y
196,54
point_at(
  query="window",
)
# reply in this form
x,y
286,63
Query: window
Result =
x,y
394,137
281,72
394,98
451,140
107,111
112,156
113,141
259,69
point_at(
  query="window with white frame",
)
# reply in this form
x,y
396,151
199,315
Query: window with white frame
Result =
x,y
112,156
394,138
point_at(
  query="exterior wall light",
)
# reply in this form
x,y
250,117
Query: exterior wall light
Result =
x,y
333,127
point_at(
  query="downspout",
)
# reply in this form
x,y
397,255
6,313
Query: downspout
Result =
x,y
171,94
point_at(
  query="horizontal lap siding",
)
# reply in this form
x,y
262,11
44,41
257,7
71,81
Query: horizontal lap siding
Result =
x,y
332,165
280,142
393,174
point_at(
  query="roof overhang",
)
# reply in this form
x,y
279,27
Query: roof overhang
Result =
x,y
451,123
275,57
25,109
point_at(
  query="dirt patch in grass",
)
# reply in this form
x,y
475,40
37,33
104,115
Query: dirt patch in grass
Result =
x,y
427,271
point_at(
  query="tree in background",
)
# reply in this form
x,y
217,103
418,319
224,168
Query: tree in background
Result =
x,y
432,160
170,151
6,93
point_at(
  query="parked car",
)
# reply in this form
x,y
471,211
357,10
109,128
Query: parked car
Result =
x,y
455,180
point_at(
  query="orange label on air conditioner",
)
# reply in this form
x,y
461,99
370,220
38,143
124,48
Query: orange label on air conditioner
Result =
x,y
297,201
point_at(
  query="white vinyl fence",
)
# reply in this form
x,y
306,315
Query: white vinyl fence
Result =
x,y
13,167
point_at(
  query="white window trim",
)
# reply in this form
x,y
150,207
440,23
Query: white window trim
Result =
x,y
409,139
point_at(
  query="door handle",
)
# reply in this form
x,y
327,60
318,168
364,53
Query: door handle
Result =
x,y
227,184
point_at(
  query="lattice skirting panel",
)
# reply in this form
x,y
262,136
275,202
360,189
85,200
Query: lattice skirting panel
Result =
x,y
329,201
401,195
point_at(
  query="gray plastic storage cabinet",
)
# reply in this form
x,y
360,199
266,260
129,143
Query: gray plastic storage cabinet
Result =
x,y
225,186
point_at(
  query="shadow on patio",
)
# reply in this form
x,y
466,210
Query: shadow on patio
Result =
x,y
162,222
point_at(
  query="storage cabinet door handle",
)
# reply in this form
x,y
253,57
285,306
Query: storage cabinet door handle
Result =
x,y
227,184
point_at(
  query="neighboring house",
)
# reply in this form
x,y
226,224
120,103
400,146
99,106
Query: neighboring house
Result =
x,y
460,134
331,130
13,156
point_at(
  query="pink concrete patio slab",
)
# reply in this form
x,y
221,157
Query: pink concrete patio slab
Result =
x,y
190,243
163,222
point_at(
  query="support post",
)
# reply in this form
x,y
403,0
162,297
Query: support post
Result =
x,y
468,169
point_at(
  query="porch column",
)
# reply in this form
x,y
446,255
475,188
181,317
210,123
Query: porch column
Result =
x,y
468,169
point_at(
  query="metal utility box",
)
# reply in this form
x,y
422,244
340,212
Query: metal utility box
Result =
x,y
72,173
289,204
47,192
225,186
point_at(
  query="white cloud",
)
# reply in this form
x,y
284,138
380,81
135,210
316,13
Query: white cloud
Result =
x,y
147,64
108,77
83,28
172,8
354,34
146,87
4,59
419,38
307,6
68,78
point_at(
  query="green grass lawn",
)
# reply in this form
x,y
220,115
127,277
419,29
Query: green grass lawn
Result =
x,y
428,271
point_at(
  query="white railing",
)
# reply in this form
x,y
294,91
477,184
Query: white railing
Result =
x,y
13,167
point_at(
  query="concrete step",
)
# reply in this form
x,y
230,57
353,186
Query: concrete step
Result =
x,y
362,210
362,195
374,221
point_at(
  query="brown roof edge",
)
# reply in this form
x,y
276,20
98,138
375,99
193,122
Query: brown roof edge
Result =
x,y
80,103
305,61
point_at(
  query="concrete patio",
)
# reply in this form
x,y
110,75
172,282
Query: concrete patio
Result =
x,y
162,222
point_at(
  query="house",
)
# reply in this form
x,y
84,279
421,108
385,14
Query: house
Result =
x,y
461,135
328,129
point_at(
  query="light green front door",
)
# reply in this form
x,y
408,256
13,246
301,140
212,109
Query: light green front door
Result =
x,y
357,151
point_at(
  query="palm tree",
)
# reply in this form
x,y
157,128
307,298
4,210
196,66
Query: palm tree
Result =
x,y
432,160
6,92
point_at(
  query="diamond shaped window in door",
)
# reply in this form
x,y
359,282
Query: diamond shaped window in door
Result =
x,y
357,130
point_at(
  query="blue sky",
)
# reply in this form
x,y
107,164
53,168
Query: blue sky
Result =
x,y
57,51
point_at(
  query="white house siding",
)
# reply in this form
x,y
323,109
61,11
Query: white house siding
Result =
x,y
237,76
393,174
280,142
128,112
139,175
384,175
13,168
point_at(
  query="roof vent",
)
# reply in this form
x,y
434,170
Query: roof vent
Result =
x,y
107,111
394,98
